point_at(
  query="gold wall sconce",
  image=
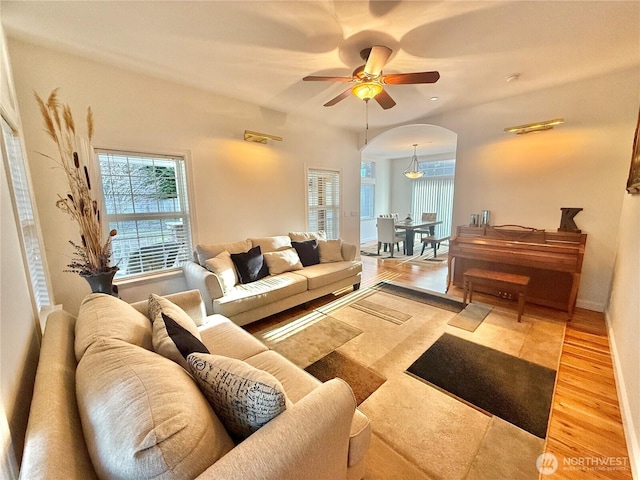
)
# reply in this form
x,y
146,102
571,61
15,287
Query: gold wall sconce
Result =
x,y
534,127
263,138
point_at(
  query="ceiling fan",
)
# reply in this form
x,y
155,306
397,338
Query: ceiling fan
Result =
x,y
369,80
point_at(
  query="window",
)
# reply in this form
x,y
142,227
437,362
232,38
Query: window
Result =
x,y
368,169
146,201
25,214
367,189
323,200
434,192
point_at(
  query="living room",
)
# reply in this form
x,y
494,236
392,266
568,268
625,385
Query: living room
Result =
x,y
241,189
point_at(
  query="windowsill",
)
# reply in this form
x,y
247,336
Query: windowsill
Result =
x,y
148,278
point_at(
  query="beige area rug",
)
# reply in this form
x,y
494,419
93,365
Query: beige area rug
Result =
x,y
416,427
471,317
371,250
389,314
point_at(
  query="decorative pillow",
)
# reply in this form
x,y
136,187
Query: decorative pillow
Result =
x,y
283,261
308,252
251,265
185,342
162,342
223,266
143,416
206,251
330,251
271,244
302,236
244,397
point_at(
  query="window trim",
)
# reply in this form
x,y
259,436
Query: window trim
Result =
x,y
145,277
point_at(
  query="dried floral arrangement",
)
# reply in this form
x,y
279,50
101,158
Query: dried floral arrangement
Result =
x,y
93,255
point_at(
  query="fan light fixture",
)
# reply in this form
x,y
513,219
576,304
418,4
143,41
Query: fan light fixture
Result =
x,y
534,127
366,90
412,171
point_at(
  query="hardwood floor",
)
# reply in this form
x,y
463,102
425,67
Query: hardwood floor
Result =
x,y
586,436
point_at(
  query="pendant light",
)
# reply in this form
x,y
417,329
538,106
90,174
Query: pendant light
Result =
x,y
412,171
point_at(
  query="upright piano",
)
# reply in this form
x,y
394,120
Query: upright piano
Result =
x,y
553,260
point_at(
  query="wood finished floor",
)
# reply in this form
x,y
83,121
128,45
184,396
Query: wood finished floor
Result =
x,y
585,424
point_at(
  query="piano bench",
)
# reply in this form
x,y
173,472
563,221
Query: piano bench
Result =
x,y
479,277
435,243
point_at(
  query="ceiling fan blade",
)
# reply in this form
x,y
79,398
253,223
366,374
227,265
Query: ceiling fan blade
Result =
x,y
411,78
377,59
339,98
313,78
385,100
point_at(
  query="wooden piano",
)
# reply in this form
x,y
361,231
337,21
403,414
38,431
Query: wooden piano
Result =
x,y
553,260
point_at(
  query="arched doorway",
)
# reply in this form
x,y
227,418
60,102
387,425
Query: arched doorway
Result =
x,y
384,189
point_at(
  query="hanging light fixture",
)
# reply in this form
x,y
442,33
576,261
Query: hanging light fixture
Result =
x,y
412,170
366,90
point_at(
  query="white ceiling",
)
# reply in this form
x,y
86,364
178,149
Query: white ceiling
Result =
x,y
259,51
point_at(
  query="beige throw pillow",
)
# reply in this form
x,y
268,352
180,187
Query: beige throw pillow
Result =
x,y
271,244
284,261
162,342
223,266
330,251
303,236
244,397
206,251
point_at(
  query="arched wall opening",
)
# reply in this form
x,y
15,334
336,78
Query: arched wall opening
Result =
x,y
384,188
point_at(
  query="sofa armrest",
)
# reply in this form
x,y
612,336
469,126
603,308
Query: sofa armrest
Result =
x,y
348,251
308,441
54,444
208,283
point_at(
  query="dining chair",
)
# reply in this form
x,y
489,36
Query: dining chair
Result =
x,y
387,234
426,217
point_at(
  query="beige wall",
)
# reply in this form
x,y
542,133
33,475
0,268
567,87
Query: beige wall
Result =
x,y
623,316
19,336
240,189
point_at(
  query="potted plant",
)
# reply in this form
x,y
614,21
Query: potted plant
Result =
x,y
92,255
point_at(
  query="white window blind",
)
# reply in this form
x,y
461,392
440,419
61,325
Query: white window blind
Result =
x,y
434,194
323,200
24,209
146,201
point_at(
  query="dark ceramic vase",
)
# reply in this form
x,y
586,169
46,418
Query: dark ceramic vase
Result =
x,y
102,282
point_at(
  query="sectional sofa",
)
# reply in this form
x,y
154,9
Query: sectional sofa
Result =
x,y
329,266
110,401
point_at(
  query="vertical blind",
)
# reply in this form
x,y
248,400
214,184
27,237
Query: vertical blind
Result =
x,y
434,194
323,200
24,208
146,201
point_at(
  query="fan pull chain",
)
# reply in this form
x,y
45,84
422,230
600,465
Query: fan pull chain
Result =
x,y
366,110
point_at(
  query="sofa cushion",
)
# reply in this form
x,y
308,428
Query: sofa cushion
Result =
x,y
244,398
330,251
250,265
308,252
104,315
206,251
267,290
302,236
223,266
271,244
327,273
162,343
283,261
223,337
143,416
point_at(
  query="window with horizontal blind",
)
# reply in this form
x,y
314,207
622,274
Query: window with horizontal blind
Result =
x,y
146,201
23,205
323,201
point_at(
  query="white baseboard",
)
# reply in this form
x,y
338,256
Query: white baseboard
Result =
x,y
633,443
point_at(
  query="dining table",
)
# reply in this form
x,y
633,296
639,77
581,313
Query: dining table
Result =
x,y
410,226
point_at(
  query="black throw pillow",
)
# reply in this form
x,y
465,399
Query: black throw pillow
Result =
x,y
308,252
185,342
250,265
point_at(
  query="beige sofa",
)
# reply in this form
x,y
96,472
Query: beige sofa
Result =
x,y
245,303
124,411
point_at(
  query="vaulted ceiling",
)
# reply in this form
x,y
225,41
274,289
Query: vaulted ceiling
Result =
x,y
260,51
